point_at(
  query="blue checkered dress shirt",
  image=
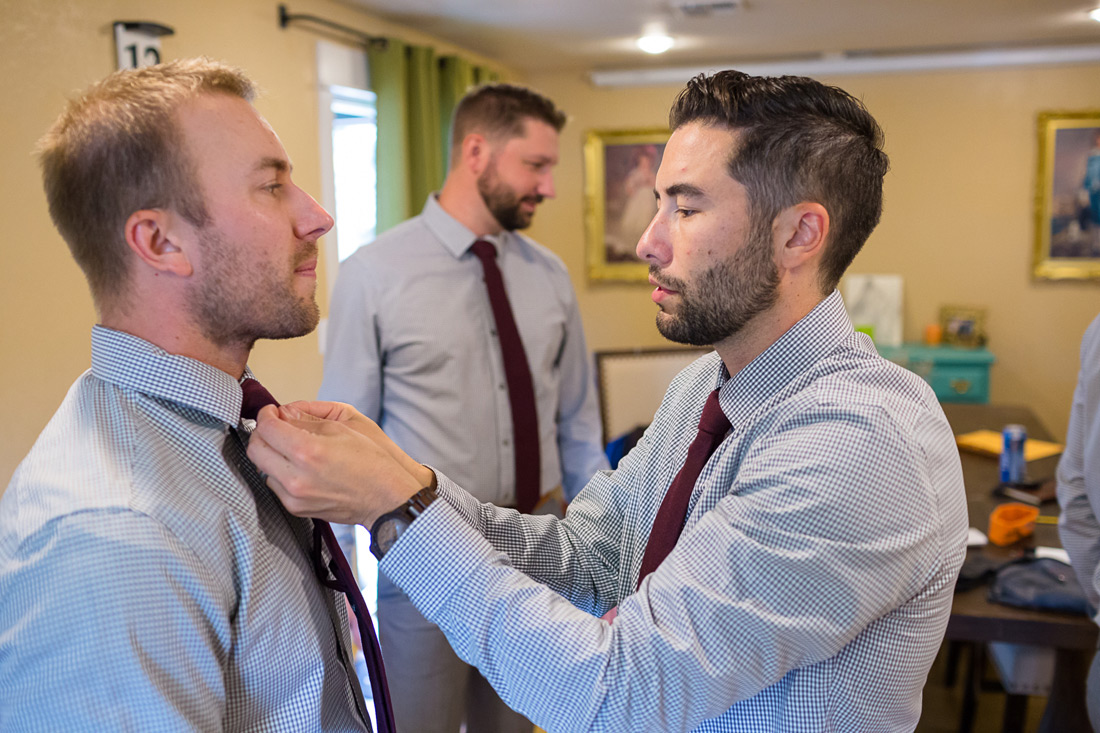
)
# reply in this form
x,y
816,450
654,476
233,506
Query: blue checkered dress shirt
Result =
x,y
809,590
148,581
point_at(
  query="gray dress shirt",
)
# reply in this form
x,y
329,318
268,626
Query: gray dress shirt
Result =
x,y
148,580
411,344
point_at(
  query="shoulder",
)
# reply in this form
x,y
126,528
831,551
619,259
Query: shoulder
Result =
x,y
853,407
395,243
540,256
83,459
857,376
1090,343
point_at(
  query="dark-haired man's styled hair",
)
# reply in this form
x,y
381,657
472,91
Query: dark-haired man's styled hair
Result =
x,y
499,111
799,140
118,149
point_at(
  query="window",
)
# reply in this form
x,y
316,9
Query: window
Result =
x,y
354,141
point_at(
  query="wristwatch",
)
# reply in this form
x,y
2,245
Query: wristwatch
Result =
x,y
388,528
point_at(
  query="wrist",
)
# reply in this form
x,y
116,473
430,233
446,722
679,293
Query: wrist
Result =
x,y
426,477
388,528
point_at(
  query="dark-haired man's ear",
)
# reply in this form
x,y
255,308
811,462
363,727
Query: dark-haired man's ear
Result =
x,y
151,235
800,234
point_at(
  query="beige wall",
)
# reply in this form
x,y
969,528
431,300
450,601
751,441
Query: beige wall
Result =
x,y
957,226
48,50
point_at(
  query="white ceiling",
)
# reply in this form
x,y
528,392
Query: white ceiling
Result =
x,y
589,35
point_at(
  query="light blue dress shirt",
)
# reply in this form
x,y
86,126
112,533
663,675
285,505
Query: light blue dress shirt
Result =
x,y
1079,472
809,591
148,580
411,344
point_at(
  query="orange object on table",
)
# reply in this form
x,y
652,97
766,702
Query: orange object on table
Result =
x,y
1011,522
933,334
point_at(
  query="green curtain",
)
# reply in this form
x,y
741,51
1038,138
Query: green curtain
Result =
x,y
416,94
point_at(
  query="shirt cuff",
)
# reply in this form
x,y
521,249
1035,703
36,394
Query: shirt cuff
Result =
x,y
437,553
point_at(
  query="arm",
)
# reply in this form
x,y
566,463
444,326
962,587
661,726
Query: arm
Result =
x,y
795,562
353,364
1077,471
579,433
579,557
110,619
779,575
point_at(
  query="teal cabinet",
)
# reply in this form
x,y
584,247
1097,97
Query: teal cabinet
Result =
x,y
956,374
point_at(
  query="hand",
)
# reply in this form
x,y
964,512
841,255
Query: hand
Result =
x,y
327,468
344,413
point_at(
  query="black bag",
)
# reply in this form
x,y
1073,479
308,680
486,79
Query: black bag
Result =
x,y
1043,584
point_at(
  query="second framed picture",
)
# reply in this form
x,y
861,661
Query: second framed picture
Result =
x,y
620,172
1067,199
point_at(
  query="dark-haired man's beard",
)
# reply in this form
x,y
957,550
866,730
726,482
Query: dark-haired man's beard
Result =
x,y
723,299
503,202
237,302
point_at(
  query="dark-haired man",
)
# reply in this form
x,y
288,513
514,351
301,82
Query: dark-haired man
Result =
x,y
148,578
779,551
415,343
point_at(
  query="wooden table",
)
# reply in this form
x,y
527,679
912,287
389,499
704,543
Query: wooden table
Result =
x,y
974,619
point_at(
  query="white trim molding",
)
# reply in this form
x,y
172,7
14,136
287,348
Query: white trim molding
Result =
x,y
857,64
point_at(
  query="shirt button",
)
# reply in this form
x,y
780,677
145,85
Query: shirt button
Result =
x,y
501,386
493,332
505,442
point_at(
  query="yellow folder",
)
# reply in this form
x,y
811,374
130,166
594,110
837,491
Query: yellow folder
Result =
x,y
989,443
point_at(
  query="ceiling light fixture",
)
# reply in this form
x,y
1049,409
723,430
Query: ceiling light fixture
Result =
x,y
1095,15
655,43
654,39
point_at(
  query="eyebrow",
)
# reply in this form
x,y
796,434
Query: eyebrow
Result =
x,y
684,189
280,165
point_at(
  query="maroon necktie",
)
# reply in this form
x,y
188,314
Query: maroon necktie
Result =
x,y
256,397
713,426
521,390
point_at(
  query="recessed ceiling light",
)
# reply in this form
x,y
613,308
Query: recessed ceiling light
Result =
x,y
1095,15
655,42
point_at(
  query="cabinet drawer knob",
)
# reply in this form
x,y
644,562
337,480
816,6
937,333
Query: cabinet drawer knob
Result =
x,y
961,386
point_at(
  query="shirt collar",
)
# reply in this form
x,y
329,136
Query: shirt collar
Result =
x,y
456,238
133,363
808,341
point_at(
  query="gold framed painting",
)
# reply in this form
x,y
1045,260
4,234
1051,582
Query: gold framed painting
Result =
x,y
1067,197
962,325
620,168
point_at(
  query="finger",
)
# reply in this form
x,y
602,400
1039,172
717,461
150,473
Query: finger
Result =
x,y
267,412
327,410
288,436
268,460
290,412
290,502
286,480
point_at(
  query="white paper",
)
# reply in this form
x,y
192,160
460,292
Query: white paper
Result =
x,y
875,301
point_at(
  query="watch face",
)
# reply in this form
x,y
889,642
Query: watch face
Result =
x,y
390,530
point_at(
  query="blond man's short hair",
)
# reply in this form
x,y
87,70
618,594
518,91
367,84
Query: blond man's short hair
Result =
x,y
118,149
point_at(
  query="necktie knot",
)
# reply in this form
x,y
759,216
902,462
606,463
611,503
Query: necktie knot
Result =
x,y
713,421
255,397
484,250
